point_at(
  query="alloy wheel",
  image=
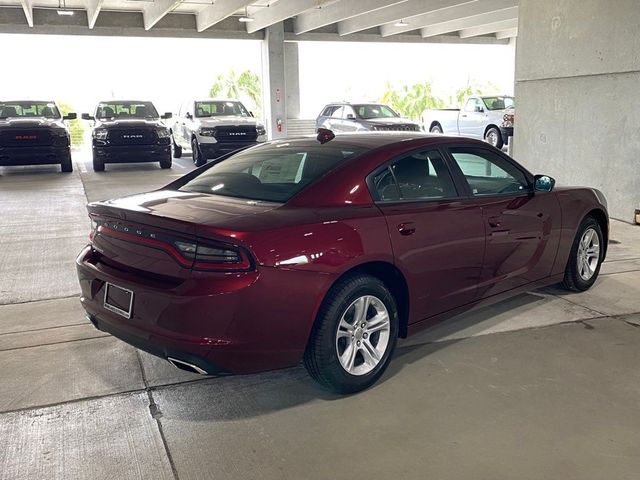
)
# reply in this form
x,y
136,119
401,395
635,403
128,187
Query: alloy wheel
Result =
x,y
363,335
588,254
492,138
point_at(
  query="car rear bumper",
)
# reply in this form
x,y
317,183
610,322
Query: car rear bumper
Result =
x,y
33,155
220,322
132,153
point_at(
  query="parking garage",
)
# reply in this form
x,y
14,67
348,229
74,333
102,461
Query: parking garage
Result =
x,y
539,385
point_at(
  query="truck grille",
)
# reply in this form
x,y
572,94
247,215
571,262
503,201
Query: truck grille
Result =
x,y
137,136
236,134
25,137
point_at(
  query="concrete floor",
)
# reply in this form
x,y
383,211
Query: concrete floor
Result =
x,y
545,385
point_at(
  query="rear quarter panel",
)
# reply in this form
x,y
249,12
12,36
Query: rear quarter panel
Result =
x,y
448,120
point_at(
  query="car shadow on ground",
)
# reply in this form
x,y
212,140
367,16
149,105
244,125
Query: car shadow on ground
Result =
x,y
249,396
28,170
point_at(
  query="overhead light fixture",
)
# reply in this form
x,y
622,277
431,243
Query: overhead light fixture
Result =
x,y
401,23
62,9
246,18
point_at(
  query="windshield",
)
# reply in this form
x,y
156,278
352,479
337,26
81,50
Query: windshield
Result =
x,y
374,111
218,109
110,110
498,103
28,109
273,172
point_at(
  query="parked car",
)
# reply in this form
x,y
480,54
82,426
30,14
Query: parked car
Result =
x,y
328,250
506,127
346,117
34,133
129,131
480,117
210,128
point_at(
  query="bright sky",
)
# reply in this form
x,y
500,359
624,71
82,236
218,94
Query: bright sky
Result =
x,y
82,70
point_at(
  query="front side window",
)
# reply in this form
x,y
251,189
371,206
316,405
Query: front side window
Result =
x,y
28,109
419,176
116,110
488,173
273,172
370,111
220,109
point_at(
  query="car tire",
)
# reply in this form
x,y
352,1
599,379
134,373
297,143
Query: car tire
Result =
x,y
585,258
166,162
98,164
66,165
338,332
198,158
177,149
493,137
435,129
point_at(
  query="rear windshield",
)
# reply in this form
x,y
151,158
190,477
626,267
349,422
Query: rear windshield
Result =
x,y
218,109
273,172
374,111
28,109
109,110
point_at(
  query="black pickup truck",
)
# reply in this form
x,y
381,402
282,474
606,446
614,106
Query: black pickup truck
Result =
x,y
129,131
34,133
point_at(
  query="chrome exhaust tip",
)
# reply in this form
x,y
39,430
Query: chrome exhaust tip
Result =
x,y
187,367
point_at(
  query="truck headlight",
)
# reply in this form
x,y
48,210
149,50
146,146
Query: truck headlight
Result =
x,y
208,132
260,130
163,132
100,134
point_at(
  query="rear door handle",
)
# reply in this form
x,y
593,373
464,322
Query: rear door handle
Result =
x,y
407,228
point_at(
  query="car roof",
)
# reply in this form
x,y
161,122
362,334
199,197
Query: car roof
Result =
x,y
370,140
216,100
125,101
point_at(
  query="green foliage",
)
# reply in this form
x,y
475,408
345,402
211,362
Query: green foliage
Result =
x,y
245,86
76,130
471,88
411,100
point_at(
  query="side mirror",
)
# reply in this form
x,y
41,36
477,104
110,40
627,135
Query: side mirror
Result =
x,y
351,116
189,116
543,183
70,116
479,109
167,115
86,116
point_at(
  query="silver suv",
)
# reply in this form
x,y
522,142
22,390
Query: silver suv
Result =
x,y
211,127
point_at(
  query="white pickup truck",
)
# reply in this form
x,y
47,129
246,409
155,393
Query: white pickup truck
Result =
x,y
480,117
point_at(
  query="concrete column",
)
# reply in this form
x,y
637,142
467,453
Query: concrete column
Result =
x,y
578,108
273,81
292,79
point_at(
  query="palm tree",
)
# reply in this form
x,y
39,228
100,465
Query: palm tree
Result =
x,y
245,86
411,100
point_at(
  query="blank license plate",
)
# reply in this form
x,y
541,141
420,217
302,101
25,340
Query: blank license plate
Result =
x,y
118,300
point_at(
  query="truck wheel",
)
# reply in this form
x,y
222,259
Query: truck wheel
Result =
x,y
494,137
435,129
166,162
98,165
177,149
354,335
198,158
66,165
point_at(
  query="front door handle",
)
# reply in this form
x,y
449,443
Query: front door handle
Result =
x,y
494,222
407,228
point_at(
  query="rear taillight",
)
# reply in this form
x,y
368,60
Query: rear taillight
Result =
x,y
213,257
203,255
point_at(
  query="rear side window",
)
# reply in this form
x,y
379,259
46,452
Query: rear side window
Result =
x,y
274,172
419,176
328,110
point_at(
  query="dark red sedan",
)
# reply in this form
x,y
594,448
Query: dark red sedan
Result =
x,y
329,249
